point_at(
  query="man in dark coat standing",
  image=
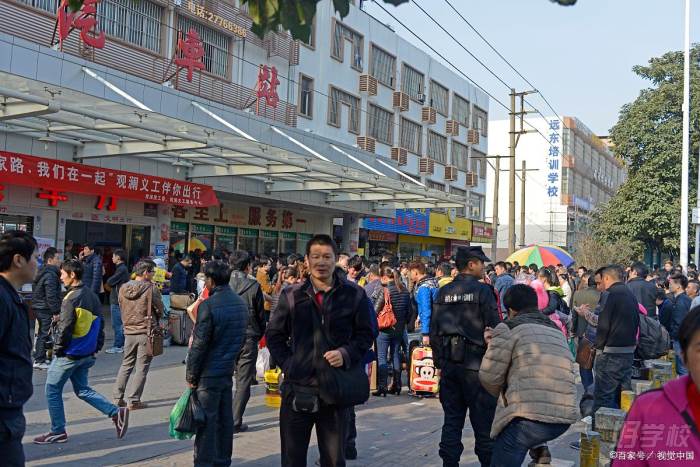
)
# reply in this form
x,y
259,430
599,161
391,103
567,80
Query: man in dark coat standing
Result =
x,y
18,265
46,303
92,268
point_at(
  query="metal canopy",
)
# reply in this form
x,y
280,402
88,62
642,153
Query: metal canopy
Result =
x,y
99,128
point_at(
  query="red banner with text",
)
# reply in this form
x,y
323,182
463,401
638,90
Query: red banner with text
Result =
x,y
64,176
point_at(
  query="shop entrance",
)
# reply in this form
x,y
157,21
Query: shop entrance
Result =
x,y
135,239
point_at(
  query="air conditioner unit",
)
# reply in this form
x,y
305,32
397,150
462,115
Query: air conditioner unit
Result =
x,y
472,179
452,127
400,101
473,136
366,143
451,173
294,53
429,115
420,97
426,166
400,155
368,84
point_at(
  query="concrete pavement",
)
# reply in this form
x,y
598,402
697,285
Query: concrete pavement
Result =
x,y
392,431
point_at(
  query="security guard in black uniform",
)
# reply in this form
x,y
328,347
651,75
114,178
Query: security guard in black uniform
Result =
x,y
462,311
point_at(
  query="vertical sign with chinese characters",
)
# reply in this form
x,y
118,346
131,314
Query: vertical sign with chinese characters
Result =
x,y
553,159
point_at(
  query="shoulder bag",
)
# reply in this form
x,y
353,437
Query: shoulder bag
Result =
x,y
154,333
386,318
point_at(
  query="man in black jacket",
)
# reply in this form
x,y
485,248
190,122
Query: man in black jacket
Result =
x,y
616,340
463,311
18,265
92,268
46,303
643,290
343,310
115,281
216,341
249,290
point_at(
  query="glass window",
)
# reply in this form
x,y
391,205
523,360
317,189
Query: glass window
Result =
x,y
338,98
134,21
216,45
342,33
480,166
462,212
306,96
460,156
439,98
476,205
460,110
412,81
436,185
480,121
437,147
565,181
411,136
382,66
380,124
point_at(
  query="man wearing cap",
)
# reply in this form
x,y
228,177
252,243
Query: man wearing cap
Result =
x,y
463,312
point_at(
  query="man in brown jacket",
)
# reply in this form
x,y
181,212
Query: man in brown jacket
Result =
x,y
139,301
529,365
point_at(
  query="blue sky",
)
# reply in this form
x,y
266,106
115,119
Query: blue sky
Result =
x,y
580,57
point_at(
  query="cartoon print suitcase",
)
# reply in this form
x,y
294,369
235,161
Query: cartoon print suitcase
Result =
x,y
424,377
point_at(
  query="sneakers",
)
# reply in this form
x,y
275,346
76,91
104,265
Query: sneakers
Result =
x,y
350,453
115,350
121,421
540,456
136,405
51,438
41,366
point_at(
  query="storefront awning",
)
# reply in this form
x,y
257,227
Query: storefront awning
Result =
x,y
100,128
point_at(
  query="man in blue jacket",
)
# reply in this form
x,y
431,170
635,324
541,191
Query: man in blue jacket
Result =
x,y
503,282
92,268
425,290
672,318
18,265
217,339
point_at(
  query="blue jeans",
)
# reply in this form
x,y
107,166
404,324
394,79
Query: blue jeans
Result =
x,y
511,444
61,370
117,325
385,343
586,378
613,374
680,368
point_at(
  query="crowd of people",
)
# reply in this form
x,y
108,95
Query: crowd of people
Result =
x,y
505,337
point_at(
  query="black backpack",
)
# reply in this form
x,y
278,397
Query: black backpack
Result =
x,y
654,340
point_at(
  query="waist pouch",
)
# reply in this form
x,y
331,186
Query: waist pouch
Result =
x,y
305,399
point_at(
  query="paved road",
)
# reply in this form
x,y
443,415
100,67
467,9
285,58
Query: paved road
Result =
x,y
393,431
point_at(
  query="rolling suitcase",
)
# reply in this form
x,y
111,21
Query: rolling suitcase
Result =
x,y
180,326
424,378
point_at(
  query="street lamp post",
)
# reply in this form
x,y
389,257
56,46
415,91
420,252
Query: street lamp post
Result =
x,y
686,140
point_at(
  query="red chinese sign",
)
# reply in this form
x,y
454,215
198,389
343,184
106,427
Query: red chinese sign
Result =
x,y
482,230
84,19
56,177
191,51
267,85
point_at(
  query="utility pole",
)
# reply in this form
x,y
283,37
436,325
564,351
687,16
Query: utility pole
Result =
x,y
522,207
514,139
696,259
494,220
686,140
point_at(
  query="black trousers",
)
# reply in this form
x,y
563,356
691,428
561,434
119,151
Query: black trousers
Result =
x,y
351,430
12,427
461,392
245,374
44,318
213,443
295,433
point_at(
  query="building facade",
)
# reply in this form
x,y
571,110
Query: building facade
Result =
x,y
570,171
150,94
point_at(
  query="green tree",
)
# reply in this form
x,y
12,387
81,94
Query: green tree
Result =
x,y
647,137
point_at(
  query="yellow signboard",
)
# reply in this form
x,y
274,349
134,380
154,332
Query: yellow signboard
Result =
x,y
449,226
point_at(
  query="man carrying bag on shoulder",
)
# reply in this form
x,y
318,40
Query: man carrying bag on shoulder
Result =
x,y
320,332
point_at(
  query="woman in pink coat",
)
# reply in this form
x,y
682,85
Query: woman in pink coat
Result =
x,y
543,301
662,424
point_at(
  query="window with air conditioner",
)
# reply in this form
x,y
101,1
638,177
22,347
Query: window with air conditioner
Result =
x,y
337,99
460,110
439,97
437,147
306,96
216,46
342,33
380,124
460,156
411,136
412,82
481,121
382,66
435,185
